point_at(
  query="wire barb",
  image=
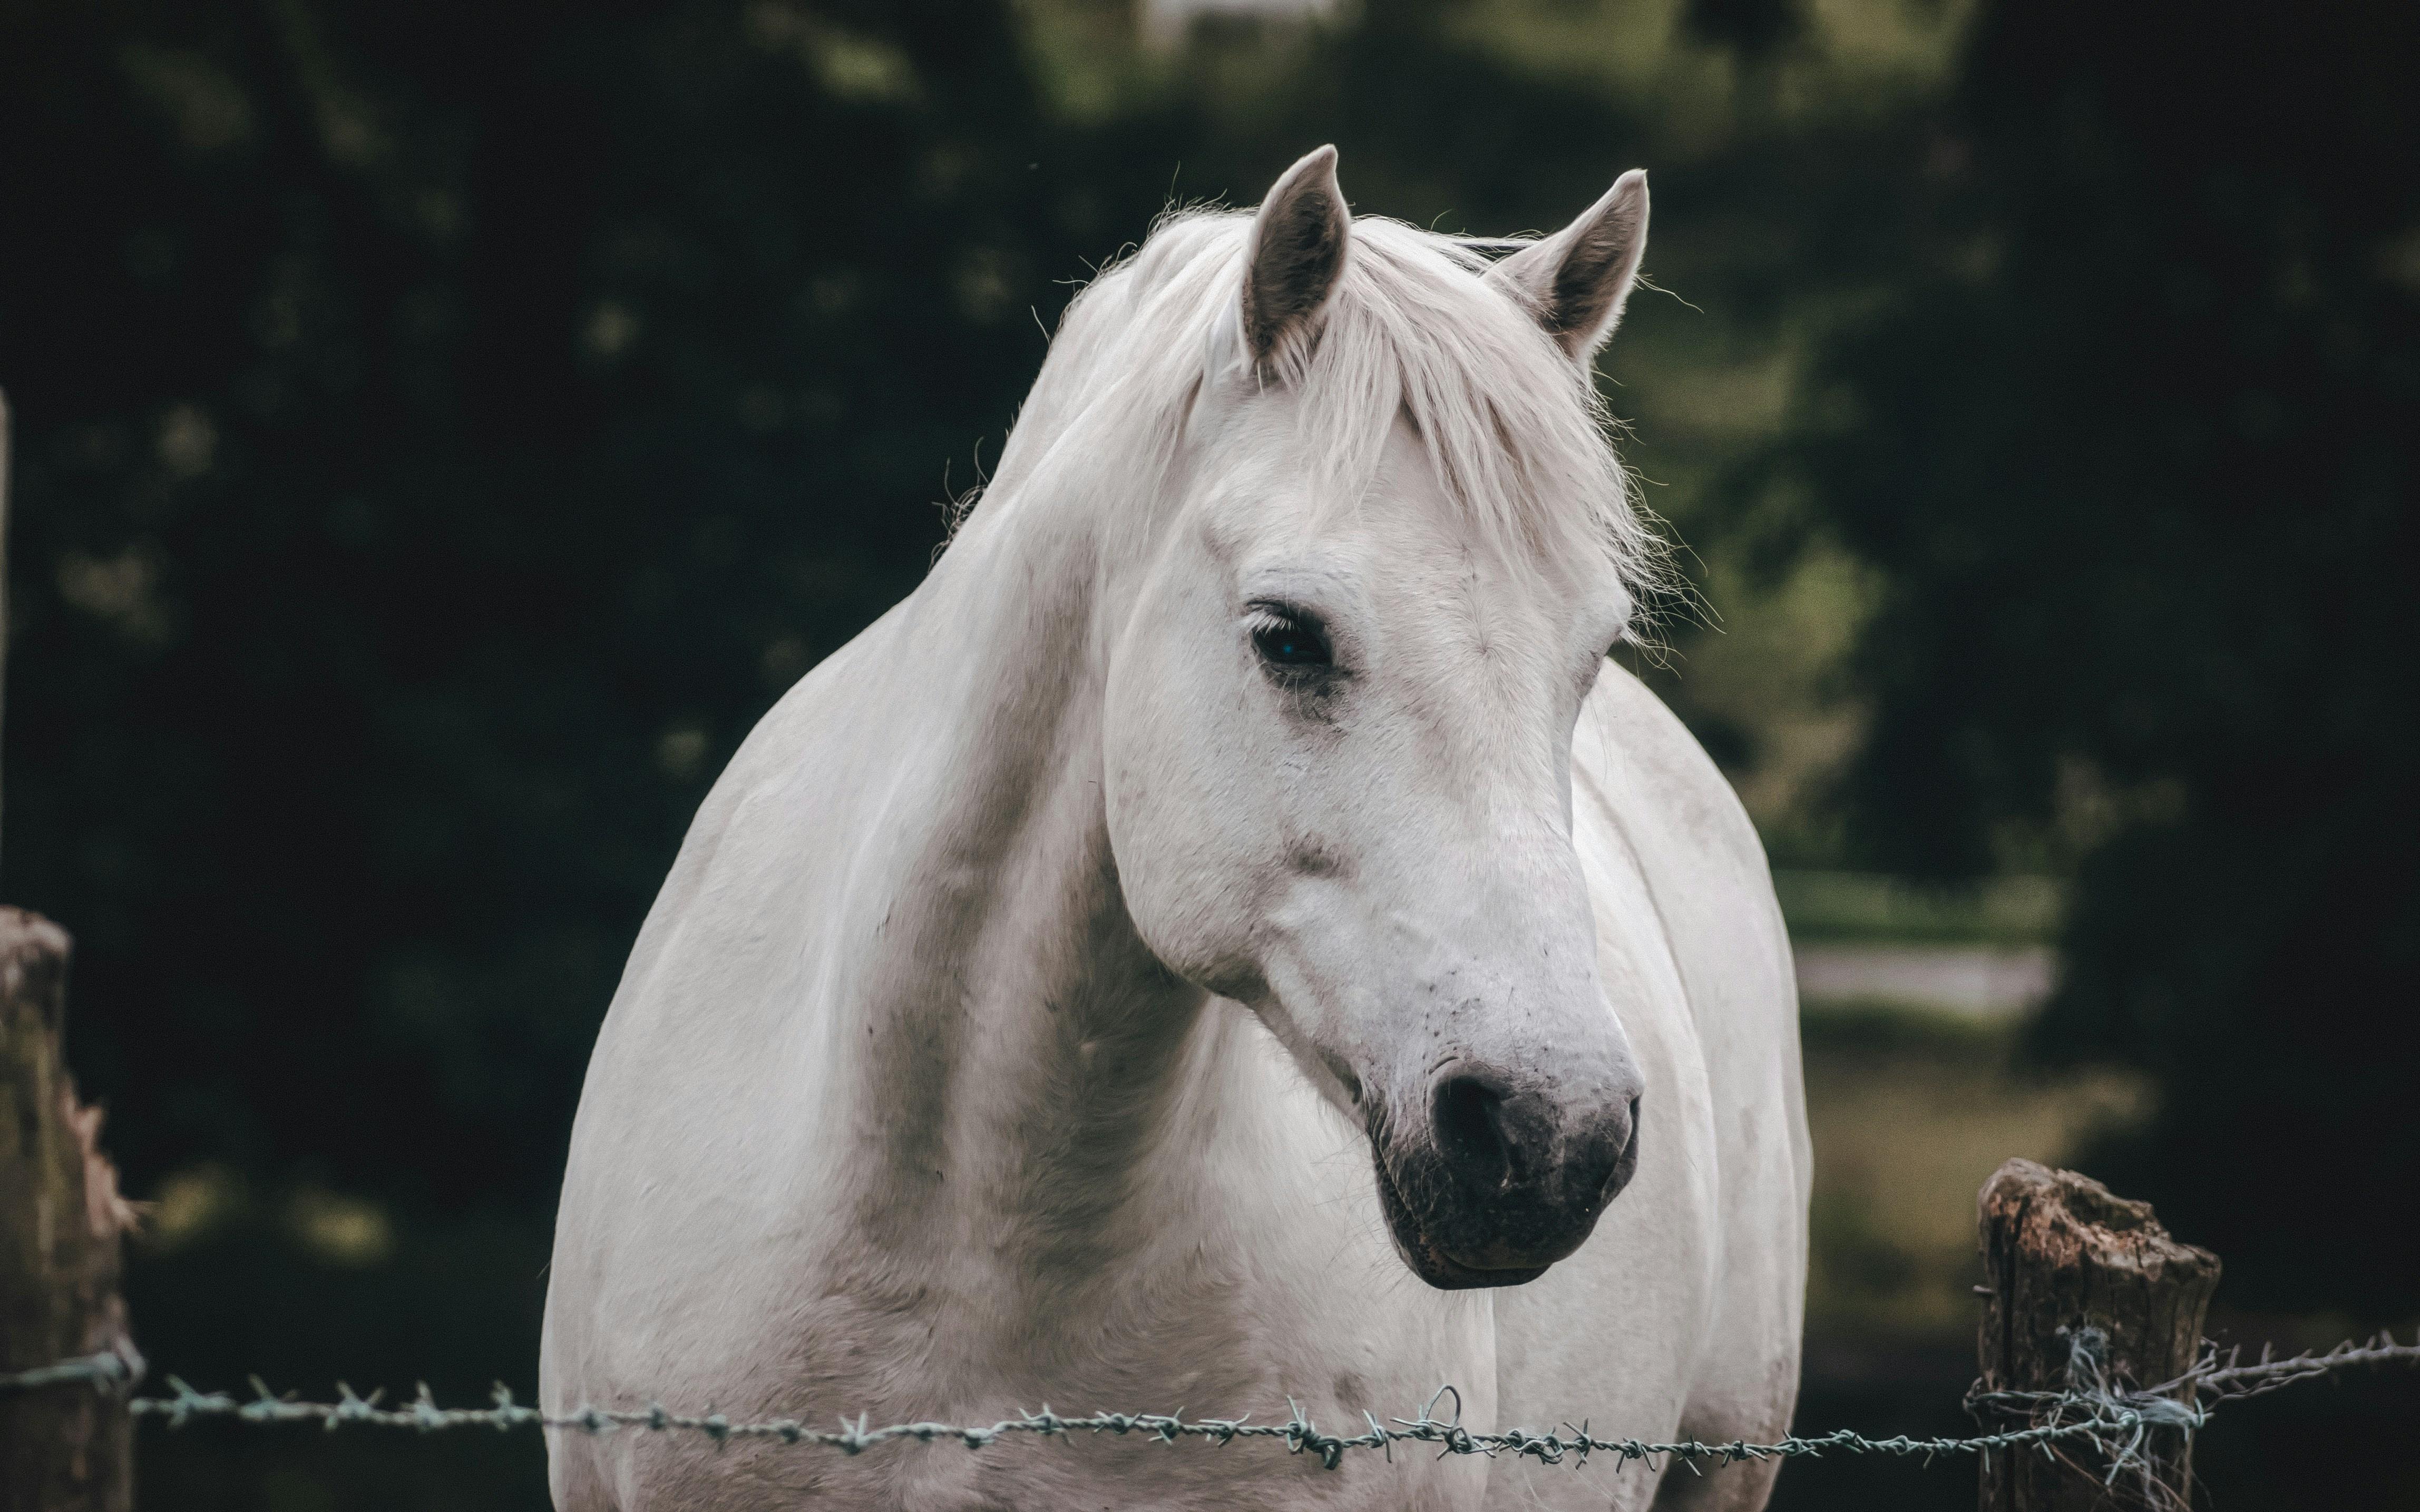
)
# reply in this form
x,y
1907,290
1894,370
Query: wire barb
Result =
x,y
109,1370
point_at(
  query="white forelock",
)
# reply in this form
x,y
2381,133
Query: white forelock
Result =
x,y
1516,432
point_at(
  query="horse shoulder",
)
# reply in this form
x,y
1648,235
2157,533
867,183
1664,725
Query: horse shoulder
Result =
x,y
666,1175
1703,864
1671,811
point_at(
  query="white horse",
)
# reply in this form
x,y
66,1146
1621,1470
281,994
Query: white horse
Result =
x,y
1227,937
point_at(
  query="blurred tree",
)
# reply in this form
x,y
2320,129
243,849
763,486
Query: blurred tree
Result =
x,y
1754,29
441,430
2133,438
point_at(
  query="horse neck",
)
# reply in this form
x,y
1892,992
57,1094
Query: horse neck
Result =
x,y
1021,1052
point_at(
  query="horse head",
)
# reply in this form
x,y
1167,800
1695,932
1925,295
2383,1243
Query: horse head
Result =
x,y
1394,551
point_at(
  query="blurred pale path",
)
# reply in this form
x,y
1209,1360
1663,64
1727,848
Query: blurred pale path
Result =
x,y
1164,22
1976,981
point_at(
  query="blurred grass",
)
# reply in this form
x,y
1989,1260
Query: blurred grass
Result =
x,y
1848,907
1910,1110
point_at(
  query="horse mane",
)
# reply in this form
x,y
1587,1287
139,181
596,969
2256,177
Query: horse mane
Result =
x,y
1517,432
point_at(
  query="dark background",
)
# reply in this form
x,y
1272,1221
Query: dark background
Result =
x,y
441,430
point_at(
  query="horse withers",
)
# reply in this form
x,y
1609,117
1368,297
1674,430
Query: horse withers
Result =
x,y
1230,938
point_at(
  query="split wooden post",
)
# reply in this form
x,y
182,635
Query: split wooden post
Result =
x,y
2062,1255
66,1447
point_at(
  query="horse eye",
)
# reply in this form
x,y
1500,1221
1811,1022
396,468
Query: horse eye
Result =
x,y
1285,640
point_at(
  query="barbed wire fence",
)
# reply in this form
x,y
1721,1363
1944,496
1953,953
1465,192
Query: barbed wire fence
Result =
x,y
2113,1419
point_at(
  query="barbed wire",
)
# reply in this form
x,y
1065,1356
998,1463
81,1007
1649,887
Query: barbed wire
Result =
x,y
107,1370
2113,1419
2228,1376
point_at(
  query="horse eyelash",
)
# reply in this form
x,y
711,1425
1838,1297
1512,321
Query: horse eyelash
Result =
x,y
1264,615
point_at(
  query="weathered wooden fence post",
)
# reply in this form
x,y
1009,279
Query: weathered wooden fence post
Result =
x,y
66,1447
2062,1255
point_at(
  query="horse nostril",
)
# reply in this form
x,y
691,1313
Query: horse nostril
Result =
x,y
1469,1121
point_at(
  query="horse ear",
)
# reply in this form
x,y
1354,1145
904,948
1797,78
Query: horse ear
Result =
x,y
1296,251
1576,281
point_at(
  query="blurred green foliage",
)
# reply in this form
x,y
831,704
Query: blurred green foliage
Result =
x,y
1911,1109
2129,438
442,430
1860,906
